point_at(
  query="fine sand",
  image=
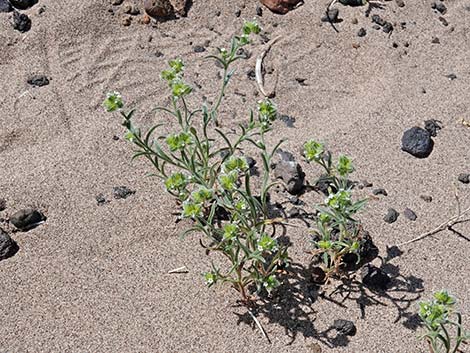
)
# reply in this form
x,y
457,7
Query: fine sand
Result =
x,y
95,278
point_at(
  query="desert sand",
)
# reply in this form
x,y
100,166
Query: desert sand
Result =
x,y
94,278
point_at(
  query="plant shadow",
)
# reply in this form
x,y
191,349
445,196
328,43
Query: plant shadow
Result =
x,y
292,304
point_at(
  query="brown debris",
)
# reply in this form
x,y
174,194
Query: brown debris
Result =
x,y
280,6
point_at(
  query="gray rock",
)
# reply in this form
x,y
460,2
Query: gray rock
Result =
x,y
391,216
8,246
410,214
3,204
417,142
291,173
27,218
5,6
345,327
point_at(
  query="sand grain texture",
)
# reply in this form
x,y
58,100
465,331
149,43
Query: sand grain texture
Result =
x,y
94,278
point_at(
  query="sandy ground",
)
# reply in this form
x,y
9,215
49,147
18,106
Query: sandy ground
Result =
x,y
94,278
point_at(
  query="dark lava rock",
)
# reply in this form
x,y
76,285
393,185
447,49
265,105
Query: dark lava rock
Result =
x,y
379,20
443,21
23,4
259,11
3,204
380,191
400,3
374,277
287,120
199,49
5,6
331,16
251,74
345,327
387,27
122,192
391,216
464,178
8,246
439,6
410,214
432,126
362,32
238,13
426,198
27,218
417,142
301,81
292,175
435,40
38,81
21,22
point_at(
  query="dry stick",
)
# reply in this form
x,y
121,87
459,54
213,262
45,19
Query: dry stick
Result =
x,y
259,68
447,224
265,335
182,269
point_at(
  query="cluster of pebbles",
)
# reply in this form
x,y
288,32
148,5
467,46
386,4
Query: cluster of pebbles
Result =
x,y
158,10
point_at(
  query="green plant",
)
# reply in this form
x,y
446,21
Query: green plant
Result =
x,y
439,316
205,170
337,232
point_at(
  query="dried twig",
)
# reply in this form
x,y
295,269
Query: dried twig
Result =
x,y
259,69
445,225
182,269
263,332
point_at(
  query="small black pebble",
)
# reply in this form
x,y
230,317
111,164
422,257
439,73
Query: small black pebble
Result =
x,y
288,120
387,27
122,192
38,81
443,21
432,126
417,142
238,13
379,20
464,178
435,40
362,32
345,327
426,198
380,191
199,49
395,45
439,6
400,3
251,74
301,81
410,214
27,218
100,199
451,76
21,22
259,11
391,216
3,204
